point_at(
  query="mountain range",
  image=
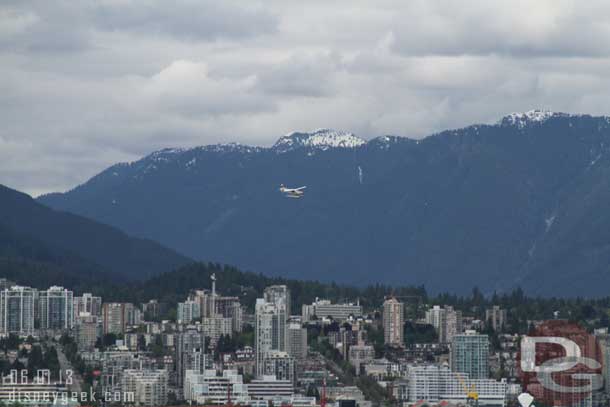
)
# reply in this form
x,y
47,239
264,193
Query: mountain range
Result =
x,y
522,202
42,246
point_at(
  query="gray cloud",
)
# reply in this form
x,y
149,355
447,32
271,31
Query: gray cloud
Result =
x,y
86,84
517,28
186,19
301,76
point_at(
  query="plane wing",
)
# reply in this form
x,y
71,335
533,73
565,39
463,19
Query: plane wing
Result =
x,y
300,189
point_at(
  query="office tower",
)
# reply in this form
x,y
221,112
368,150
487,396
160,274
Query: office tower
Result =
x,y
297,341
189,311
324,309
148,386
17,310
190,344
470,354
393,322
496,317
446,321
56,308
88,303
87,329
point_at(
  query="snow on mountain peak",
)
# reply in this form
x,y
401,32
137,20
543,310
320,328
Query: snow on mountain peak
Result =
x,y
533,116
322,139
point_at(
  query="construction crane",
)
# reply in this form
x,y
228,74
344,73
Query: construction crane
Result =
x,y
323,396
472,396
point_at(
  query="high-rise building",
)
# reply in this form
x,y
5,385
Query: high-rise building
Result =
x,y
17,310
265,314
280,296
393,322
297,341
230,307
496,316
324,309
133,315
470,354
88,303
271,318
56,309
148,387
6,284
446,321
113,318
87,329
151,310
215,326
190,346
205,300
117,316
189,311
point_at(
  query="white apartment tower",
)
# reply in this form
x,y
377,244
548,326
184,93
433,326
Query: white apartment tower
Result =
x,y
271,316
88,303
56,308
17,310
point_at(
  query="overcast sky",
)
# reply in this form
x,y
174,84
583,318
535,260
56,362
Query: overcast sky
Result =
x,y
85,84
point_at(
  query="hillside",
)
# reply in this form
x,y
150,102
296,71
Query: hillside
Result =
x,y
521,202
64,245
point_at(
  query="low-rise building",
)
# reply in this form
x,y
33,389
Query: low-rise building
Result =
x,y
268,387
149,387
324,308
360,354
210,388
280,365
434,383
